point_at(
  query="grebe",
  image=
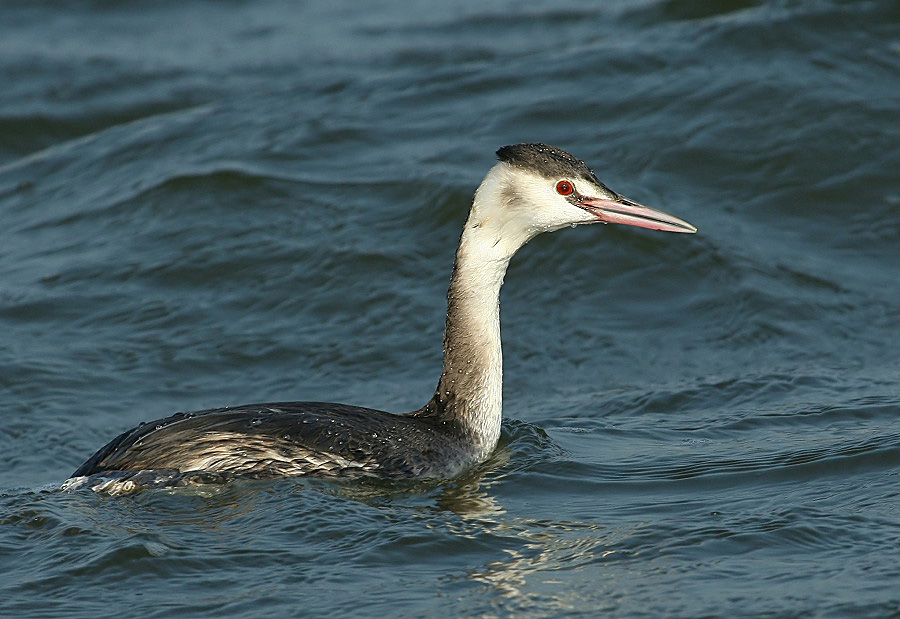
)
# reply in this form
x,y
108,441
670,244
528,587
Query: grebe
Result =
x,y
534,188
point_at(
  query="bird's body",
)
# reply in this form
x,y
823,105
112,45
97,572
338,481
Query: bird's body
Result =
x,y
533,189
289,439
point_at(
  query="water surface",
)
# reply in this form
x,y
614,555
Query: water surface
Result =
x,y
208,204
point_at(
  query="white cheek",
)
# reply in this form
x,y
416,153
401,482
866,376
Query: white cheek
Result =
x,y
557,212
537,207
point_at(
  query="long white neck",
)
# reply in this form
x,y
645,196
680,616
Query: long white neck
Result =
x,y
469,395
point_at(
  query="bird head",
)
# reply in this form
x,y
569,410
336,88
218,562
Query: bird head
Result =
x,y
535,188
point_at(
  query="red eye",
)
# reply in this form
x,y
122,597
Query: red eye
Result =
x,y
565,188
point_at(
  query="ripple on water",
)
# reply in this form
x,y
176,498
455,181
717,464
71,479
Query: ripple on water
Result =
x,y
197,215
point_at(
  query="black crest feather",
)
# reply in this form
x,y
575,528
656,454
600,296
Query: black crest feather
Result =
x,y
548,161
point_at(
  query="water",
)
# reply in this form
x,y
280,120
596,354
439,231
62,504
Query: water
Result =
x,y
206,204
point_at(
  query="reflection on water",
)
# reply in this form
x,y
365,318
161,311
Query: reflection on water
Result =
x,y
541,565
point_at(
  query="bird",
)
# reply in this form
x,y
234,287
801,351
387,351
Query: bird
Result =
x,y
532,188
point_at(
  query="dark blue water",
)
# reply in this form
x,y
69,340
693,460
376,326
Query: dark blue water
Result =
x,y
204,204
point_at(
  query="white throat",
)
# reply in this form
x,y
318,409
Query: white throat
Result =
x,y
470,391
